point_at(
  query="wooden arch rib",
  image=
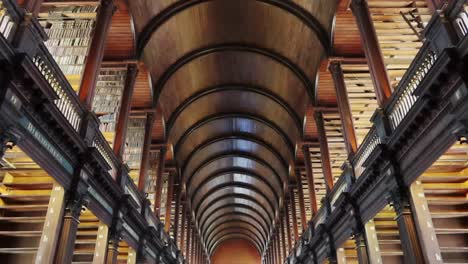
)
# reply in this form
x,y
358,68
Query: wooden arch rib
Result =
x,y
267,221
271,210
235,229
233,216
233,236
233,87
239,170
237,154
252,117
218,225
235,136
240,47
288,6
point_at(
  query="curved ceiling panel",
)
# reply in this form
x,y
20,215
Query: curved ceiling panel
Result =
x,y
219,183
223,222
233,236
235,160
233,125
235,67
231,144
235,217
230,192
235,230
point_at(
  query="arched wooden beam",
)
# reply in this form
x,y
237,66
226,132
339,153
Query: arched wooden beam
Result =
x,y
234,236
238,170
292,8
268,221
309,85
239,136
243,196
233,87
231,216
236,154
230,230
252,117
206,236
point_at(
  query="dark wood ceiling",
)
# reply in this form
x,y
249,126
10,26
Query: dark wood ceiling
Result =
x,y
233,83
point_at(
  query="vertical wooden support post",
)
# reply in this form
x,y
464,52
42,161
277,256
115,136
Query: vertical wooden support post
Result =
x,y
423,219
372,50
294,215
288,226
170,194
96,53
66,245
159,181
182,228
52,225
100,250
124,112
343,105
310,179
324,152
33,6
412,251
192,246
189,229
300,193
145,157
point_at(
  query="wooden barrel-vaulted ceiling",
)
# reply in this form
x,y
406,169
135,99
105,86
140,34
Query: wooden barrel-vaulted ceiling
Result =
x,y
233,80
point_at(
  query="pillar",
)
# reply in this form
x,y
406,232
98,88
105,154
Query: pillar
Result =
x,y
145,157
96,53
300,193
69,229
170,192
310,179
294,215
372,50
324,152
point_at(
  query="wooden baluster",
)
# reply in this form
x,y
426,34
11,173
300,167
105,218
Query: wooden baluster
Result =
x,y
124,112
300,194
310,179
145,156
372,50
96,53
159,181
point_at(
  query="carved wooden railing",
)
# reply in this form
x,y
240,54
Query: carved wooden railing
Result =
x,y
371,141
67,101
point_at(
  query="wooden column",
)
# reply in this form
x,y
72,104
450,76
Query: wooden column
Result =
x,y
294,215
66,244
192,246
187,246
310,179
170,194
300,193
159,181
343,105
423,219
145,157
52,225
412,251
324,152
288,226
124,112
372,50
33,6
96,53
176,216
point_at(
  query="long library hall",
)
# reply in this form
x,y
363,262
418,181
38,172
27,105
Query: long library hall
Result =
x,y
234,131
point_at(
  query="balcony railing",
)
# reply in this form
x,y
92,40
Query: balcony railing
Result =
x,y
370,143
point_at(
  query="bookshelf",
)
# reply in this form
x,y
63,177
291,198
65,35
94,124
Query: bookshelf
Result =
x,y
108,97
6,21
134,145
70,30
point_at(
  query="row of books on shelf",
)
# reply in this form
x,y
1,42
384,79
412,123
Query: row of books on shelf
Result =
x,y
107,122
70,60
73,9
71,69
82,28
6,23
70,43
134,142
